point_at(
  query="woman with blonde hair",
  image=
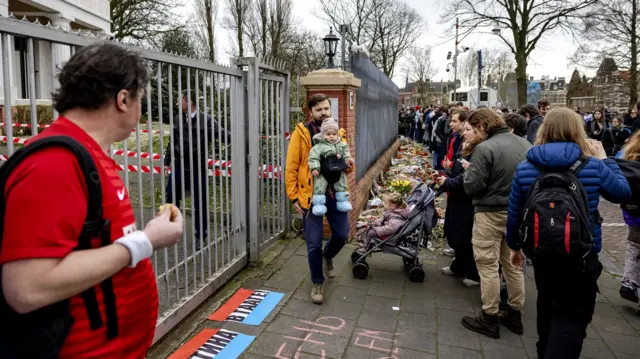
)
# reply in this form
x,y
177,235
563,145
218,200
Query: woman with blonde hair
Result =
x,y
553,217
629,161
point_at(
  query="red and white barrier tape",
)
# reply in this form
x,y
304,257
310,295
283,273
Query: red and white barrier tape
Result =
x,y
157,156
287,135
268,171
18,140
28,125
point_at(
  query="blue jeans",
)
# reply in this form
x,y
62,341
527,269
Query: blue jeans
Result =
x,y
313,233
438,156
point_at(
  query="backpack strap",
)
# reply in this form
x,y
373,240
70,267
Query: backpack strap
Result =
x,y
95,226
579,164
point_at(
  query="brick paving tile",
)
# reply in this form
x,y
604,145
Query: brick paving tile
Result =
x,y
387,316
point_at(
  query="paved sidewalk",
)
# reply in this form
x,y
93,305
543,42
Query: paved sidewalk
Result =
x,y
614,233
386,316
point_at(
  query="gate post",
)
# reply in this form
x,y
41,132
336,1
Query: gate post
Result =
x,y
341,87
252,124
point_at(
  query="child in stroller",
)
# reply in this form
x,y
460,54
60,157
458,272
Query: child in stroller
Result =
x,y
404,238
395,215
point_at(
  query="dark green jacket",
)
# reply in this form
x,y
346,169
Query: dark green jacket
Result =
x,y
488,179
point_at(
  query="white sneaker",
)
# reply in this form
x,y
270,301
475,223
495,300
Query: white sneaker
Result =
x,y
447,271
470,283
449,252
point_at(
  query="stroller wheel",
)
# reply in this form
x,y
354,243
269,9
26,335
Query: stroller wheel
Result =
x,y
416,274
355,255
408,263
360,270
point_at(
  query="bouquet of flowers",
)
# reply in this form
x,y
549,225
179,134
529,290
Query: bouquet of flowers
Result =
x,y
401,186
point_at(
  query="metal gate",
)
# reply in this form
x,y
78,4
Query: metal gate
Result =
x,y
243,192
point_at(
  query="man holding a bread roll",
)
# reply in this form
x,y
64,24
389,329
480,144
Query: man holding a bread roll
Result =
x,y
101,302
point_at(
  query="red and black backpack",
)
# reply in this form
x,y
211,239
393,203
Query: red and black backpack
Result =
x,y
41,334
556,216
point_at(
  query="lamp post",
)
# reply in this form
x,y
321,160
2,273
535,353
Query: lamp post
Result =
x,y
330,47
455,61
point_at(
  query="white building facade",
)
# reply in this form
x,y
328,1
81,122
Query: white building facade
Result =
x,y
87,15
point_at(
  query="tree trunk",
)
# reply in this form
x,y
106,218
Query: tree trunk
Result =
x,y
633,73
208,10
240,12
521,76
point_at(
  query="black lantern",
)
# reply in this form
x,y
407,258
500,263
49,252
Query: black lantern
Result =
x,y
331,47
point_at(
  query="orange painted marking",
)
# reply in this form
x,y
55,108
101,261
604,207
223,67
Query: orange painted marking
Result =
x,y
190,347
230,306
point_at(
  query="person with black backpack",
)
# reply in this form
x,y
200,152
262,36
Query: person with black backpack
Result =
x,y
77,281
553,218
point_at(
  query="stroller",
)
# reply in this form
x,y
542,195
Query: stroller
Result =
x,y
406,241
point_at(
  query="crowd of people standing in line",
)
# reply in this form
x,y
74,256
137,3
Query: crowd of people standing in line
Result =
x,y
489,162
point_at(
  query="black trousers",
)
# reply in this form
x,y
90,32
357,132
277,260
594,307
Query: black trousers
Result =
x,y
464,263
566,302
199,199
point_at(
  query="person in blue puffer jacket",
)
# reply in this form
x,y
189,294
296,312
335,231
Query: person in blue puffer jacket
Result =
x,y
631,279
566,294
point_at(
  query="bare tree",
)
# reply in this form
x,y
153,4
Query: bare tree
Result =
x,y
527,22
142,20
612,30
387,28
206,13
280,24
236,21
359,14
397,26
419,68
495,65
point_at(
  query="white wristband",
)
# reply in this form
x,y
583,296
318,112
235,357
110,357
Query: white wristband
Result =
x,y
138,245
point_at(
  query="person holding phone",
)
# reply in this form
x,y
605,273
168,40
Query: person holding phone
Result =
x,y
459,231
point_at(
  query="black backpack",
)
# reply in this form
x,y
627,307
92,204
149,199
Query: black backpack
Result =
x,y
556,216
41,334
631,171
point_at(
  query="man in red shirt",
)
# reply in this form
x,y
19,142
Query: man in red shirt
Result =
x,y
99,101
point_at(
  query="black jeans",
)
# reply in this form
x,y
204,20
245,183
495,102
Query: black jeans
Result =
x,y
199,200
464,263
566,302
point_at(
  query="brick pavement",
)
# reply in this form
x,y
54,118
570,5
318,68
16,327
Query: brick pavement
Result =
x,y
387,316
614,234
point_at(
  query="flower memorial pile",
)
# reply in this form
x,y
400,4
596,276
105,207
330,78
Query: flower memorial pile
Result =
x,y
410,168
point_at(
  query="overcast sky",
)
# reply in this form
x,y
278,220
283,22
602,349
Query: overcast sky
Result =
x,y
549,58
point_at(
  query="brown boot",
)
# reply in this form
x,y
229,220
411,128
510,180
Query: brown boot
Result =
x,y
483,324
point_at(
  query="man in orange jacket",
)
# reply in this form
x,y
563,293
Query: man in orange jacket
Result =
x,y
299,183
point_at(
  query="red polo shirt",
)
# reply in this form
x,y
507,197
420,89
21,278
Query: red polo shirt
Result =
x,y
46,207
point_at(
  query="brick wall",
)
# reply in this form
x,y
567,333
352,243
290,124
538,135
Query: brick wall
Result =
x,y
360,191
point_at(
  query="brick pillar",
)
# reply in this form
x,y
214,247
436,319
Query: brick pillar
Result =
x,y
340,86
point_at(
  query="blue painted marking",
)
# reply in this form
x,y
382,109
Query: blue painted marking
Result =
x,y
263,309
235,348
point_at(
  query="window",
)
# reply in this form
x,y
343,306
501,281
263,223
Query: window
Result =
x,y
20,48
462,97
484,96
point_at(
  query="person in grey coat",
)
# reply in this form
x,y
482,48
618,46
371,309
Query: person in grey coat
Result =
x,y
487,180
